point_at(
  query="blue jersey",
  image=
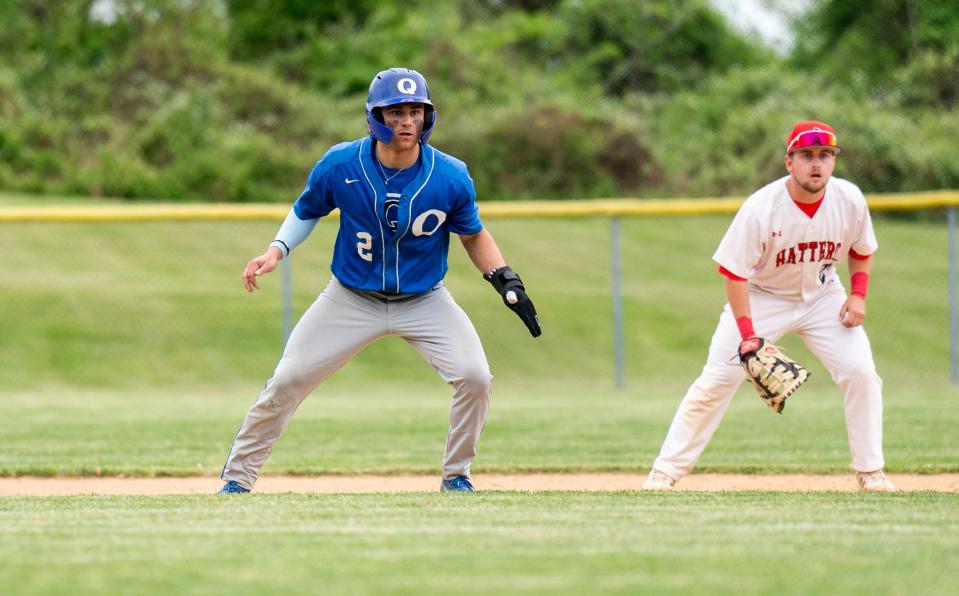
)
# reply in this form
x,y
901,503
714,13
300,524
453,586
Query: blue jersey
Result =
x,y
369,254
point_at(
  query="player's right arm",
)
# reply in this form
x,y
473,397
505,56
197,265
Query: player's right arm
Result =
x,y
737,294
292,233
738,252
259,266
315,201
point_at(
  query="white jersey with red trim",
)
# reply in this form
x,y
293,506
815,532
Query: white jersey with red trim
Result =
x,y
781,250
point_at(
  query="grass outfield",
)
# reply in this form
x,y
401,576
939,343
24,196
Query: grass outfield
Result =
x,y
354,426
132,350
148,305
613,543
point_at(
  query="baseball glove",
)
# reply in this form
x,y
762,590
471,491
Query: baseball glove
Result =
x,y
511,288
774,375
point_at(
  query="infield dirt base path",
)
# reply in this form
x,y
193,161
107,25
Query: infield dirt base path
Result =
x,y
595,482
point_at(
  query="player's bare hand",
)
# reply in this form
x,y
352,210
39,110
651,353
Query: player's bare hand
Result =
x,y
259,266
853,312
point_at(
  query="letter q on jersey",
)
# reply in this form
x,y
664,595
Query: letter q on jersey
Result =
x,y
420,222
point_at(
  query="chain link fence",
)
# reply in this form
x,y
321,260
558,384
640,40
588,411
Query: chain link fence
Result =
x,y
626,291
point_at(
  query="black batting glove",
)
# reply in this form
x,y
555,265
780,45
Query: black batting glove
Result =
x,y
510,286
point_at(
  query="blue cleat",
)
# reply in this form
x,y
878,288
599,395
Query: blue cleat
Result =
x,y
232,487
459,484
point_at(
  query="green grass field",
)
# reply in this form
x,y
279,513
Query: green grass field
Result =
x,y
493,543
351,426
131,349
148,305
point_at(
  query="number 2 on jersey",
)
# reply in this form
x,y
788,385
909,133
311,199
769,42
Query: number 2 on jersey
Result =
x,y
365,246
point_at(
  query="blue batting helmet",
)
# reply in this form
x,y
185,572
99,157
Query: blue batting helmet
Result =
x,y
394,86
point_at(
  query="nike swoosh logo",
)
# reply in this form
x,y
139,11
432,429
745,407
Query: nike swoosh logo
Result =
x,y
348,181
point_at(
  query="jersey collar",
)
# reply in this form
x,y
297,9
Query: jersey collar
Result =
x,y
427,160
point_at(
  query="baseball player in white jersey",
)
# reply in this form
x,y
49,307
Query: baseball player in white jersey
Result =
x,y
779,257
399,200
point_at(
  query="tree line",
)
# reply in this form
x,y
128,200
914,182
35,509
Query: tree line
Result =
x,y
234,100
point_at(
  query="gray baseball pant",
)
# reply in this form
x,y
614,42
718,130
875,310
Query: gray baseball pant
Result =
x,y
339,324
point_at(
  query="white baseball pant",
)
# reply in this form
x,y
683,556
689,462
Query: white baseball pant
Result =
x,y
339,324
845,352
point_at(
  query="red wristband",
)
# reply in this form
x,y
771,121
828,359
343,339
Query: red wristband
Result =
x,y
745,325
859,281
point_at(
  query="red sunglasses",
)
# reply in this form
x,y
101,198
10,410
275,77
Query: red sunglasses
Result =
x,y
813,138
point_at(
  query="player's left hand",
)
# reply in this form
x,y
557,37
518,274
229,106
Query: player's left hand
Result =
x,y
774,375
511,288
853,311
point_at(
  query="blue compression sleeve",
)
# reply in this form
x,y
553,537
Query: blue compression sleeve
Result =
x,y
293,232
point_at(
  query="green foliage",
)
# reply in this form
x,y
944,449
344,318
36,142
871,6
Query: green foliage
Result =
x,y
931,79
906,48
235,101
743,120
524,151
263,27
652,47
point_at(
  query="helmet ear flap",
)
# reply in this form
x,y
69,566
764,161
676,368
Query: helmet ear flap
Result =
x,y
428,121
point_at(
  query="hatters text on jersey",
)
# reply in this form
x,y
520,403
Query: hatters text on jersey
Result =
x,y
809,252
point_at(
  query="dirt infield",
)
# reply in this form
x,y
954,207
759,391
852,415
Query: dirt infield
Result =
x,y
31,486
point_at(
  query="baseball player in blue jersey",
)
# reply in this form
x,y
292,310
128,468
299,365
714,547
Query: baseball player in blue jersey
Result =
x,y
399,200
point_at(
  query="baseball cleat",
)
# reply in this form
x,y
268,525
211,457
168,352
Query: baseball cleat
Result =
x,y
658,481
874,482
459,484
232,487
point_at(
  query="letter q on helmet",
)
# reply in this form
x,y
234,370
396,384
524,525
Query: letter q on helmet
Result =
x,y
395,86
